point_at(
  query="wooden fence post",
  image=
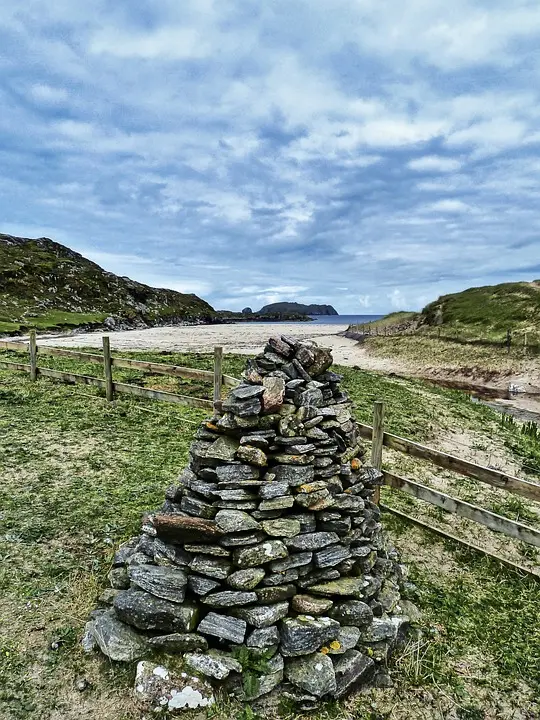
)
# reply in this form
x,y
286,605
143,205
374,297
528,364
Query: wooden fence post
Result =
x,y
32,347
377,442
107,368
218,372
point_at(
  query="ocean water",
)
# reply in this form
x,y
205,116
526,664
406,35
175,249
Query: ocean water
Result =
x,y
325,320
344,319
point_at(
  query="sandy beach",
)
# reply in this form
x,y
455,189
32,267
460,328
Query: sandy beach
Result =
x,y
245,339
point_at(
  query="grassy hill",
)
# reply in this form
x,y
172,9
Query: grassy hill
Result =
x,y
46,285
478,312
488,309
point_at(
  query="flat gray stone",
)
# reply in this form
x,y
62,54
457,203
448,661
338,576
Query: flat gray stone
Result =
x,y
305,634
265,637
217,568
352,612
260,554
224,627
202,585
162,581
281,527
229,598
252,455
381,629
202,549
267,682
293,561
294,475
353,669
347,639
232,472
273,489
178,643
148,612
343,586
312,673
246,579
245,392
263,615
212,664
312,541
275,594
331,556
223,449
232,521
309,605
277,503
115,639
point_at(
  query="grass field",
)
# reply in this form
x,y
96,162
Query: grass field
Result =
x,y
77,472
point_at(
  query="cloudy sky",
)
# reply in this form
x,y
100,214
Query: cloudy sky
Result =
x,y
373,154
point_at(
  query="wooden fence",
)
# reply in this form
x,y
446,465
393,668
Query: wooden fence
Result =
x,y
495,478
216,377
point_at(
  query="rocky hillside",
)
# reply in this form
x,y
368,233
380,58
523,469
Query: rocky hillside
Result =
x,y
297,308
47,285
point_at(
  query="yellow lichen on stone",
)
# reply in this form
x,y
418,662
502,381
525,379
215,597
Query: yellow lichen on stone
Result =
x,y
335,645
356,464
325,650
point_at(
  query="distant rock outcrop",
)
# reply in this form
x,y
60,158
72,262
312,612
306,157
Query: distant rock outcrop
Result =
x,y
294,307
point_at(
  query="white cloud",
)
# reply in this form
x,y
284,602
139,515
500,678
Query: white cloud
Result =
x,y
48,94
449,206
434,163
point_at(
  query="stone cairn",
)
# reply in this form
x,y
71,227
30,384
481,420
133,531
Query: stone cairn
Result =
x,y
267,554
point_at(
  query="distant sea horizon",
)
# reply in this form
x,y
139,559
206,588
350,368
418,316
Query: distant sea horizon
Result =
x,y
323,320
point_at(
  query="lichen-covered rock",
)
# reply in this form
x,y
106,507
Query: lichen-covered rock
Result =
x,y
352,612
231,521
305,634
313,673
156,688
312,541
229,598
309,605
212,664
246,579
115,639
263,615
260,554
178,643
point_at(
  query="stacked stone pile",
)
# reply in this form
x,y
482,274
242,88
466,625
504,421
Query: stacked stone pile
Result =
x,y
269,546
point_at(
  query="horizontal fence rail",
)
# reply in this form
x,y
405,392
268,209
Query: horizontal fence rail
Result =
x,y
108,363
496,478
464,509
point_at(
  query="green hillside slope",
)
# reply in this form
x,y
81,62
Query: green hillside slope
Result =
x,y
47,285
488,309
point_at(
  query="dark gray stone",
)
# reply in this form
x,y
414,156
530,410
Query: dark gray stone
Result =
x,y
312,673
232,521
148,612
330,556
217,568
229,598
223,449
263,637
242,408
163,582
223,627
305,634
279,578
307,521
202,549
293,561
178,643
245,392
352,671
231,473
260,554
201,585
313,398
198,508
312,541
246,579
282,527
263,615
294,476
115,639
273,489
243,539
236,494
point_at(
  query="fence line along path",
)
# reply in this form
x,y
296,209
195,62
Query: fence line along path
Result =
x,y
216,377
495,478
